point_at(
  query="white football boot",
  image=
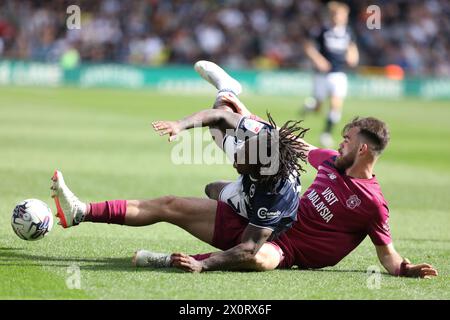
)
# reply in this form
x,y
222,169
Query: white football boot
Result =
x,y
218,77
70,210
144,258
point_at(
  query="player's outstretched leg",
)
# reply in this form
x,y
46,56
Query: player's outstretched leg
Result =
x,y
229,88
226,86
333,118
150,259
195,215
218,77
70,210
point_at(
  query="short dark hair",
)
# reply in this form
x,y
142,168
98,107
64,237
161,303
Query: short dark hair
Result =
x,y
375,132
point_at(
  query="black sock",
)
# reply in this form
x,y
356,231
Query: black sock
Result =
x,y
329,125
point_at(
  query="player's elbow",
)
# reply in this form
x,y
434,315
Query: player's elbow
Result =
x,y
216,116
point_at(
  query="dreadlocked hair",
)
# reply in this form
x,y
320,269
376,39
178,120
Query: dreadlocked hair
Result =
x,y
290,149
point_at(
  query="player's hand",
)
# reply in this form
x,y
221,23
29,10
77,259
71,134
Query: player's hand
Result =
x,y
323,65
187,263
423,270
172,128
237,104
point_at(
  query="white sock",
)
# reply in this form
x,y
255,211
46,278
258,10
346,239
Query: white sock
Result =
x,y
225,91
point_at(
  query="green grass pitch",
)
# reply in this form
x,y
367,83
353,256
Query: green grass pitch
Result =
x,y
103,142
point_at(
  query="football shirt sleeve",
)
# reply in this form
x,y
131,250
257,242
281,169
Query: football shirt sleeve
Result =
x,y
317,156
379,230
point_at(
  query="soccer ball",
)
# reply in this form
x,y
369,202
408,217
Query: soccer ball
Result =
x,y
32,219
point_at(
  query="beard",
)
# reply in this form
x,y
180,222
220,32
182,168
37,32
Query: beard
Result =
x,y
344,162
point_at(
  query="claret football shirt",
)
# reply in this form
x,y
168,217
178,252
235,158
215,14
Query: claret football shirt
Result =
x,y
335,214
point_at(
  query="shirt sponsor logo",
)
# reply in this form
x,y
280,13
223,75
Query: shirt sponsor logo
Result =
x,y
332,176
353,202
253,126
329,196
320,205
263,214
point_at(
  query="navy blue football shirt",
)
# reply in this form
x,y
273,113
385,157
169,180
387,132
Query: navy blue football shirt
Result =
x,y
275,209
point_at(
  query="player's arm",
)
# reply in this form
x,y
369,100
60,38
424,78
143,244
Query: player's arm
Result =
x,y
352,56
319,61
307,147
205,118
398,266
240,257
242,109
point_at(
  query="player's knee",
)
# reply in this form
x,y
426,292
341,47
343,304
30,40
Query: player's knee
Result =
x,y
213,189
262,262
336,103
210,191
169,203
267,258
257,263
220,104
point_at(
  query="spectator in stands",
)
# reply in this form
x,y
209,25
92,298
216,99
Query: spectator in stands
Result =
x,y
233,33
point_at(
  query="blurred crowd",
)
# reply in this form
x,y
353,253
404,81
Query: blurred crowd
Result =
x,y
414,34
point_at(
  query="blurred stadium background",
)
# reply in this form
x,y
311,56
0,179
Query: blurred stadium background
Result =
x,y
81,100
235,33
259,35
